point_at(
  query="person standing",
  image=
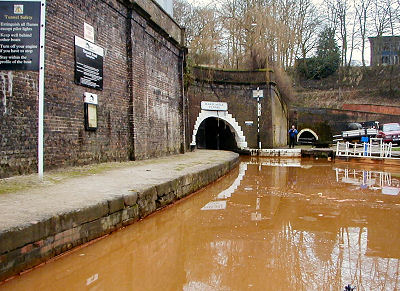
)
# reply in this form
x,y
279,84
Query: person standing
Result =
x,y
292,136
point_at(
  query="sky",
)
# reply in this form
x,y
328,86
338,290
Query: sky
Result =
x,y
356,53
201,2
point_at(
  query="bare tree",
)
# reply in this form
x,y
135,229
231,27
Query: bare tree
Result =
x,y
203,32
382,16
307,28
249,33
231,15
362,10
353,38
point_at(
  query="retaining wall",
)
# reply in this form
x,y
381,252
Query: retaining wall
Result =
x,y
373,108
326,122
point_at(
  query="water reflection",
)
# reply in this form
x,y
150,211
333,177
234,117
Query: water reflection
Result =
x,y
375,180
269,225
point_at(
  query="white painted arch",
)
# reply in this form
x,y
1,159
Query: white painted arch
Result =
x,y
307,130
230,121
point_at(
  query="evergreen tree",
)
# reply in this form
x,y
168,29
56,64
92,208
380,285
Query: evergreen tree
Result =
x,y
328,54
327,60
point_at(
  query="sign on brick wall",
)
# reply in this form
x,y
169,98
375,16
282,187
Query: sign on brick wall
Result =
x,y
214,106
19,35
88,64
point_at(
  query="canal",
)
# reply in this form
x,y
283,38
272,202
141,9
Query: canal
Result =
x,y
270,224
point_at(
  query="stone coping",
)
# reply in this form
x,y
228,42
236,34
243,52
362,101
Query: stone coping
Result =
x,y
43,222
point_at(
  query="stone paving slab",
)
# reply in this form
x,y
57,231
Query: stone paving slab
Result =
x,y
43,221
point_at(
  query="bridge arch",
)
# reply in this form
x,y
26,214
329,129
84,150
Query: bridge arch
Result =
x,y
229,120
307,132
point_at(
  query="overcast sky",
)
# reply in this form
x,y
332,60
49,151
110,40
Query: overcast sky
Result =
x,y
203,2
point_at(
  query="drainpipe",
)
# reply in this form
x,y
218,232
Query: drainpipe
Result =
x,y
130,84
185,101
183,144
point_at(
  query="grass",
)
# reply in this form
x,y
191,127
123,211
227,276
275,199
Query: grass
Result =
x,y
25,182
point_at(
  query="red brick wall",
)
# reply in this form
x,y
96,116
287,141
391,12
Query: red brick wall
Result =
x,y
393,110
18,121
327,122
139,112
157,72
235,88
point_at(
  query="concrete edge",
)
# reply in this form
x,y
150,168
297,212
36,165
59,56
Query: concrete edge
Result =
x,y
36,242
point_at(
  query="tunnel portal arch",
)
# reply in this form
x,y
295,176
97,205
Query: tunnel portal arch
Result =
x,y
229,120
308,135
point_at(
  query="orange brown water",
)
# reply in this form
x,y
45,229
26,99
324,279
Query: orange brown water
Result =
x,y
268,225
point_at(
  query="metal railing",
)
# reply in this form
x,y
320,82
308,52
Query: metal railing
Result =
x,y
375,148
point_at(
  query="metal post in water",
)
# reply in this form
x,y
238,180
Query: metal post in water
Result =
x,y
258,122
258,94
217,130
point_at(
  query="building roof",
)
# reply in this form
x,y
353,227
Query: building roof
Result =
x,y
384,37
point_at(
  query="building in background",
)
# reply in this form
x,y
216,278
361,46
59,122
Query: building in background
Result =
x,y
166,5
385,50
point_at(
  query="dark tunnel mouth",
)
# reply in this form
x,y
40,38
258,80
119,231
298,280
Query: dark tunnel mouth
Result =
x,y
215,134
306,137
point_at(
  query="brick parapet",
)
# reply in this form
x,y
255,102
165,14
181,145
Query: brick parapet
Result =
x,y
161,18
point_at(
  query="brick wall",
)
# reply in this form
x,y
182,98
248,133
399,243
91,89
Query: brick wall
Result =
x,y
327,122
393,110
157,114
18,121
139,111
235,88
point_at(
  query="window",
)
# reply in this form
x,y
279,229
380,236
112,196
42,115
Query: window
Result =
x,y
385,60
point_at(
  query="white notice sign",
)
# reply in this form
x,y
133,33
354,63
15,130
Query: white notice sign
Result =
x,y
90,98
214,106
258,93
88,32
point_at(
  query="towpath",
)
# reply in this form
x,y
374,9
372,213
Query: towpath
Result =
x,y
72,206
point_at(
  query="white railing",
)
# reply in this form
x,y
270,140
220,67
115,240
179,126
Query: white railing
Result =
x,y
375,148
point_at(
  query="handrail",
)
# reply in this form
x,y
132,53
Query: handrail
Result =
x,y
375,148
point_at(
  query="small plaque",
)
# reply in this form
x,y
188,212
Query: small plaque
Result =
x,y
88,32
90,98
92,116
258,93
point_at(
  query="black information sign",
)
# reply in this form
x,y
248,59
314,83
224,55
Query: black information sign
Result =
x,y
88,64
19,35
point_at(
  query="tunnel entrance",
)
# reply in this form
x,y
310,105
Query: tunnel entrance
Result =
x,y
307,136
215,133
